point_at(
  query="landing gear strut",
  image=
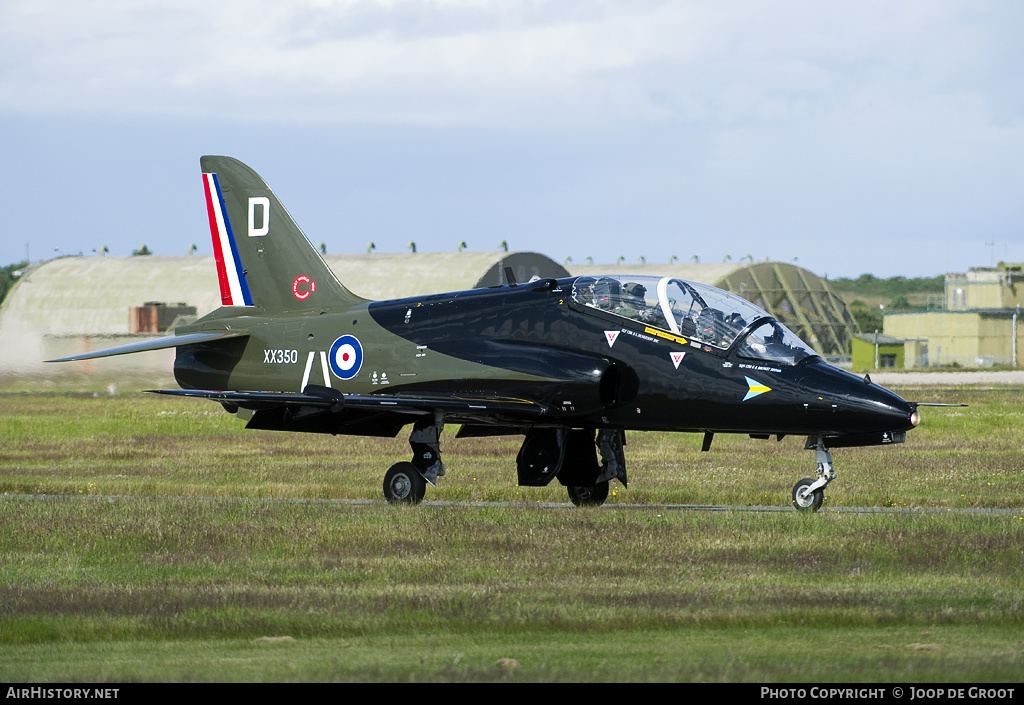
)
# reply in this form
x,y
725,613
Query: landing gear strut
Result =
x,y
808,494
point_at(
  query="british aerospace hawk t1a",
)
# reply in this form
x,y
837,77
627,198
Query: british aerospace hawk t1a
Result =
x,y
571,364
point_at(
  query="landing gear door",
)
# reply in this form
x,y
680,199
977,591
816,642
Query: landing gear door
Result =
x,y
540,457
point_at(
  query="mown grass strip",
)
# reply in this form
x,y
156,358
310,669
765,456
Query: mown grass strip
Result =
x,y
551,589
219,589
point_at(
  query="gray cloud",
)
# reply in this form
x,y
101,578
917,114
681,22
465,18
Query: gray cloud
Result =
x,y
747,121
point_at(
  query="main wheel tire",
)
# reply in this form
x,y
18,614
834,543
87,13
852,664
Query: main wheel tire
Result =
x,y
589,496
403,484
806,501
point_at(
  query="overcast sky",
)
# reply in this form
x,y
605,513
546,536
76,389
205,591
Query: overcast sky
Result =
x,y
852,137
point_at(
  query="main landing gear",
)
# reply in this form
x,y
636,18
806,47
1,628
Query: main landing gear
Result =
x,y
808,494
571,455
612,466
406,482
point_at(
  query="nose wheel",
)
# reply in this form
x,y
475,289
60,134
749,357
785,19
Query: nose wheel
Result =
x,y
804,498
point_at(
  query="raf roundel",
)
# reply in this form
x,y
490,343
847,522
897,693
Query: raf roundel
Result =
x,y
346,357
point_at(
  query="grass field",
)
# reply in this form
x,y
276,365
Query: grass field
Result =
x,y
122,579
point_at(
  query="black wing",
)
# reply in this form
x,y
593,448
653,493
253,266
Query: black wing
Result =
x,y
324,410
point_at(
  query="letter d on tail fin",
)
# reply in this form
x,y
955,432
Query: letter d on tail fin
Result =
x,y
263,259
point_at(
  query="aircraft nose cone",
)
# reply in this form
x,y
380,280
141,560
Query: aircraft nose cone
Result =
x,y
886,410
863,406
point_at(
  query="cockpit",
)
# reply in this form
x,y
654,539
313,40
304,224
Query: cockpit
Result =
x,y
693,311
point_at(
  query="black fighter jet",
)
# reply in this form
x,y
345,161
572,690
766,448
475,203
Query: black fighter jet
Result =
x,y
571,364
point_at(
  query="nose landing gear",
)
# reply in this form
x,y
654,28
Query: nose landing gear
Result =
x,y
808,494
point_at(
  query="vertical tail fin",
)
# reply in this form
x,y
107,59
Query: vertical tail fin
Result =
x,y
263,259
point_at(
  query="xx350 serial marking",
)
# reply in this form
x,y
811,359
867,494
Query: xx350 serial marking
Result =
x,y
280,357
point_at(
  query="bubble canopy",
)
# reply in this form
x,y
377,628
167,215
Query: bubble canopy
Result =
x,y
694,311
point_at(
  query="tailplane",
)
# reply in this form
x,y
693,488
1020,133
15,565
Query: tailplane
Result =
x,y
263,258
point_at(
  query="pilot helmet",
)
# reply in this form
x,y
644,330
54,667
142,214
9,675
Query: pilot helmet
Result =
x,y
735,320
635,289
